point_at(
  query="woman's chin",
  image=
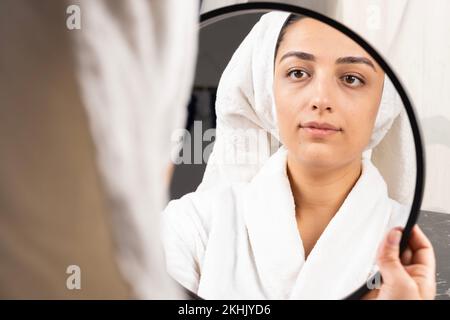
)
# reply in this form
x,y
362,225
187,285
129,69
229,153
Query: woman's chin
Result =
x,y
318,156
318,164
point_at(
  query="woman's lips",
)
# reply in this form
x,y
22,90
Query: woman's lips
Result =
x,y
316,129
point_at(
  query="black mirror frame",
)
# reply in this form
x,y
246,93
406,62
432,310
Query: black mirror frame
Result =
x,y
213,16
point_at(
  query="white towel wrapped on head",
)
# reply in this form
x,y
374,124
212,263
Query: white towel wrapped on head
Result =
x,y
245,101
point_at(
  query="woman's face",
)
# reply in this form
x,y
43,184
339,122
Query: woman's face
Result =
x,y
323,79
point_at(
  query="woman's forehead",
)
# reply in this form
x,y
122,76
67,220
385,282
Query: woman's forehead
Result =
x,y
319,39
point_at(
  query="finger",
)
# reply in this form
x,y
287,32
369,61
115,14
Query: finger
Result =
x,y
389,258
406,257
420,271
422,248
418,240
371,295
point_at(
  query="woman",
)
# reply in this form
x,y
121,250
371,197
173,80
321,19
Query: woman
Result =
x,y
308,223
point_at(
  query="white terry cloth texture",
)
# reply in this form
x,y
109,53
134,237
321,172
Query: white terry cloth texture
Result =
x,y
136,64
245,102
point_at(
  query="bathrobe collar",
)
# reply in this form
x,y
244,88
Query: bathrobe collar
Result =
x,y
344,254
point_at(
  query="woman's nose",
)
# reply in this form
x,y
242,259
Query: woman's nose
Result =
x,y
322,100
322,107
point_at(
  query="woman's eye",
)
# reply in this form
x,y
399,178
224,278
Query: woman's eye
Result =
x,y
297,74
352,81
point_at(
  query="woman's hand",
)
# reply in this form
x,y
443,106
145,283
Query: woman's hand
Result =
x,y
411,276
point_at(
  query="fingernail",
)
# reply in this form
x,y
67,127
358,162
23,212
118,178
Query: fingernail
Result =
x,y
394,237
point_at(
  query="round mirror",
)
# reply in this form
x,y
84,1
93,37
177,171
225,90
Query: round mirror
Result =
x,y
301,151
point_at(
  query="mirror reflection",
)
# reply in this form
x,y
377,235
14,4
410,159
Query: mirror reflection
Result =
x,y
306,167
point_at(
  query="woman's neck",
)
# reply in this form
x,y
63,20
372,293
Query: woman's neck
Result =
x,y
321,191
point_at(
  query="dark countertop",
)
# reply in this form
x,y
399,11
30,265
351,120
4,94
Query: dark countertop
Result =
x,y
437,228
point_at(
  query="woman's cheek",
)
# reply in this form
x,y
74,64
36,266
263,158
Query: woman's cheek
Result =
x,y
281,120
361,136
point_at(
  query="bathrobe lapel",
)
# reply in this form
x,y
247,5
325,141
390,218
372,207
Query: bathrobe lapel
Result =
x,y
270,219
344,254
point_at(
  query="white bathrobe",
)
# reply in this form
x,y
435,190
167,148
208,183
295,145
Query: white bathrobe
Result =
x,y
241,241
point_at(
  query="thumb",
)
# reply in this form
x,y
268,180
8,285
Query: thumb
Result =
x,y
388,260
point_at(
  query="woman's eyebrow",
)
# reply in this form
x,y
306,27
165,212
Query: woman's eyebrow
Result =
x,y
356,60
300,55
343,60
